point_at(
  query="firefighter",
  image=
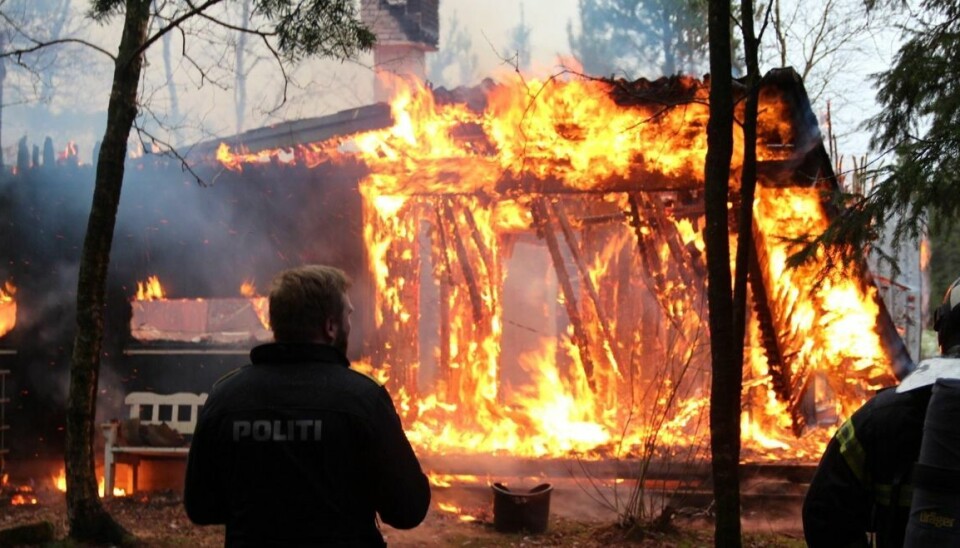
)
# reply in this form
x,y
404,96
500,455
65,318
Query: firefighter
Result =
x,y
862,485
296,448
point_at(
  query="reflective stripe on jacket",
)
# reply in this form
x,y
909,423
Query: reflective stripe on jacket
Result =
x,y
862,482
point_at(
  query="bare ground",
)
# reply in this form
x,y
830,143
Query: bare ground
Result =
x,y
158,519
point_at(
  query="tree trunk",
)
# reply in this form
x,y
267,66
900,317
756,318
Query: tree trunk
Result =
x,y
176,121
3,77
240,70
748,177
726,370
87,518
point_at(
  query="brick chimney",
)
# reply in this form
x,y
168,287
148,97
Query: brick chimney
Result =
x,y
406,30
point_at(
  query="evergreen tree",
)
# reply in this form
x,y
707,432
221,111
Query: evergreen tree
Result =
x,y
640,37
519,48
919,125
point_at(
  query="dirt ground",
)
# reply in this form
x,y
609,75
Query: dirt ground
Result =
x,y
158,519
577,518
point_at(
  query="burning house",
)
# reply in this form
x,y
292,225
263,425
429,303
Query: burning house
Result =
x,y
537,272
529,267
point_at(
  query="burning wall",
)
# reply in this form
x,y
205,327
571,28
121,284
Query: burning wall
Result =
x,y
602,181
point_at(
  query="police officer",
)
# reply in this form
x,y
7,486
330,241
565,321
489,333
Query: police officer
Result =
x,y
296,449
862,484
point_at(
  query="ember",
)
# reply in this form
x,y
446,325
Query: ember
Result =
x,y
16,495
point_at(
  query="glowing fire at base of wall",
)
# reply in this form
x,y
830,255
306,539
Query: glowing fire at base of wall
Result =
x,y
60,481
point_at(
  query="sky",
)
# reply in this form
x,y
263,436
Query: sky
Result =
x,y
77,103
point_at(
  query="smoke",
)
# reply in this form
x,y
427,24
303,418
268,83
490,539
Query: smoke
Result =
x,y
201,241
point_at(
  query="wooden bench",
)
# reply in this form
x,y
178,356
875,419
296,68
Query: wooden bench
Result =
x,y
179,411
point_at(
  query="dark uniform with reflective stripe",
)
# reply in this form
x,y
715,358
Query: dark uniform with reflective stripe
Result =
x,y
299,450
863,481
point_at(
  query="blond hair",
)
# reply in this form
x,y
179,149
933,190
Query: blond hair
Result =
x,y
302,299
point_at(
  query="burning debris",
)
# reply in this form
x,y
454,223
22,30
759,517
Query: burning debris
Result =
x,y
8,308
216,321
589,194
16,495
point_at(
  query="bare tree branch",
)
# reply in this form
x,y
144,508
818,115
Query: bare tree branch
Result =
x,y
174,23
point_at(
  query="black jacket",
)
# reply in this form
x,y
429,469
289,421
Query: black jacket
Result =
x,y
863,481
298,449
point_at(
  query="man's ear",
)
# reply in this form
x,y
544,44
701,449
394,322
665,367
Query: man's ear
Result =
x,y
331,328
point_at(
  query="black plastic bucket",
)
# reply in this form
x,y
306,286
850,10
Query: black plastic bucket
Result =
x,y
514,511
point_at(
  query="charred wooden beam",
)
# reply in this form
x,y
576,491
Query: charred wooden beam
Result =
x,y
485,255
779,369
476,301
652,273
668,231
541,219
444,366
610,218
449,176
574,247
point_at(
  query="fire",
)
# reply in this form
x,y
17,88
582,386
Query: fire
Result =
x,y
605,187
60,482
150,290
8,308
261,305
23,498
309,155
23,495
454,509
248,289
447,480
833,328
69,153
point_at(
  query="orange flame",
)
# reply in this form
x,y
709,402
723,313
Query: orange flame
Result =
x,y
23,499
150,290
69,152
60,482
447,480
454,509
23,495
8,308
261,305
633,374
309,155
